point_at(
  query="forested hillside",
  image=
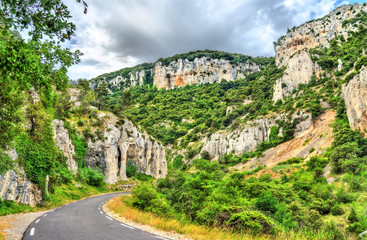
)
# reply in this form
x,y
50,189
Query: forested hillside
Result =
x,y
318,194
212,140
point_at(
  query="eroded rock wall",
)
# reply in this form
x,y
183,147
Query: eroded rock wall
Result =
x,y
246,138
292,49
63,141
15,186
355,97
125,143
201,70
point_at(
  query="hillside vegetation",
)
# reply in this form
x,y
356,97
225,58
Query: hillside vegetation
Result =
x,y
212,194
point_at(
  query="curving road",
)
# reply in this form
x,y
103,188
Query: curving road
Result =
x,y
83,219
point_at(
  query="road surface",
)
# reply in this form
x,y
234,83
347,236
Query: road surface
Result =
x,y
85,220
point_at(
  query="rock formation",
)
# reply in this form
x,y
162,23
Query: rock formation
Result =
x,y
182,72
125,143
292,50
246,138
61,136
201,70
15,186
355,97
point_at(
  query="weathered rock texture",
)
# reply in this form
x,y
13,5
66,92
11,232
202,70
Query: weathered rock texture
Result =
x,y
355,97
182,72
15,186
61,136
126,143
201,70
74,96
246,138
133,79
292,50
318,135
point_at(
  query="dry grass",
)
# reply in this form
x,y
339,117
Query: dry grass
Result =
x,y
197,232
4,224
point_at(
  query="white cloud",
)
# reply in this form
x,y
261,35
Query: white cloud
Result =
x,y
121,33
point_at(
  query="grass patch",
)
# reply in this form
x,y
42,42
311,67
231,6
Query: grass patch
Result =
x,y
66,193
11,207
118,205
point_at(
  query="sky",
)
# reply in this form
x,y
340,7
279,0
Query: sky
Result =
x,y
115,34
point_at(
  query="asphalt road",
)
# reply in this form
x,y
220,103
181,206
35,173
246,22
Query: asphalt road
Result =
x,y
83,219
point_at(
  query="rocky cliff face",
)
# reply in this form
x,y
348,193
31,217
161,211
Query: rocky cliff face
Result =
x,y
134,79
292,50
15,186
126,143
355,97
61,136
246,138
201,70
182,72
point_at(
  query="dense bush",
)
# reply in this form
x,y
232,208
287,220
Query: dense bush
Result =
x,y
92,177
337,210
250,220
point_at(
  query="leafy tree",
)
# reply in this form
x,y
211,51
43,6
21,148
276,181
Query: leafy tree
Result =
x,y
341,153
101,94
33,64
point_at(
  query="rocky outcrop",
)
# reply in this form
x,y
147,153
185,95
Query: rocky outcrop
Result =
x,y
200,70
180,73
74,96
132,79
61,136
318,136
299,70
125,143
246,138
355,97
292,49
15,186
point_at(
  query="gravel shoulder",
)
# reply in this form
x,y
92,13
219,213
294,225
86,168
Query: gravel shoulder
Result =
x,y
15,225
147,228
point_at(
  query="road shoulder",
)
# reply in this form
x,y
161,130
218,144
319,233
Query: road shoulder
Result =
x,y
16,224
147,228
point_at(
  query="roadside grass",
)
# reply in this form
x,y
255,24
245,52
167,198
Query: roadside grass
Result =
x,y
58,196
66,193
3,226
118,205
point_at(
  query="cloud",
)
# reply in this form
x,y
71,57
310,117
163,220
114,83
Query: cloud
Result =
x,y
121,33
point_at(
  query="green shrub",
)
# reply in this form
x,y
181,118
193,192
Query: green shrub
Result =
x,y
92,177
250,220
337,210
131,169
362,61
267,202
334,231
145,197
294,160
178,162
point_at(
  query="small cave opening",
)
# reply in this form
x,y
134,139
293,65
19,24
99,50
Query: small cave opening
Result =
x,y
119,158
169,81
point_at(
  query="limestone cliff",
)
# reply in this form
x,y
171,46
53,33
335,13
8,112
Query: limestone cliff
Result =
x,y
15,186
292,50
355,97
61,136
246,138
203,66
200,70
125,143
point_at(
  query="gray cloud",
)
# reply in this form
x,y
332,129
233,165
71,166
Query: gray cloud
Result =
x,y
120,33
